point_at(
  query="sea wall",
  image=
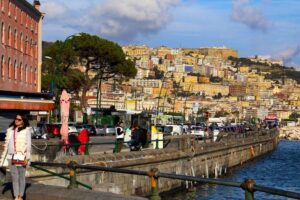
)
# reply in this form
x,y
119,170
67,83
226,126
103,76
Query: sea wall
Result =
x,y
187,156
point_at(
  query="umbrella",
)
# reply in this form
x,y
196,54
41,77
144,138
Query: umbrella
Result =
x,y
64,114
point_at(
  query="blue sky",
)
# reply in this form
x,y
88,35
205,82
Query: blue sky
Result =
x,y
252,27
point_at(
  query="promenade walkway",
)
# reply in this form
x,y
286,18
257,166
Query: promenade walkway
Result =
x,y
48,192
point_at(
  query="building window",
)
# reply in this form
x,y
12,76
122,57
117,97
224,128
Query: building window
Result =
x,y
26,74
34,76
2,5
21,72
30,47
16,12
9,36
21,42
22,17
30,75
2,66
26,20
9,9
26,43
15,70
2,33
16,39
9,68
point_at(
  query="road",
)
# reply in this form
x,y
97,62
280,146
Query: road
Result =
x,y
101,148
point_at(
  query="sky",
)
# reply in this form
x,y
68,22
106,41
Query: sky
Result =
x,y
268,28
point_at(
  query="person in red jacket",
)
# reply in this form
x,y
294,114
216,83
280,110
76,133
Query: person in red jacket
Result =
x,y
83,137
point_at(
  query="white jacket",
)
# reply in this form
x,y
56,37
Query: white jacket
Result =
x,y
23,145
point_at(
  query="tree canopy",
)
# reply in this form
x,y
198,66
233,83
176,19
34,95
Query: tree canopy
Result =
x,y
83,60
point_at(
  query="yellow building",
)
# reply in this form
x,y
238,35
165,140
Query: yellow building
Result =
x,y
162,91
294,102
163,51
191,79
209,89
178,76
134,51
283,114
204,79
189,60
244,69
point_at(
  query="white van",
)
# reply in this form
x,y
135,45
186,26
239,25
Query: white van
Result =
x,y
173,129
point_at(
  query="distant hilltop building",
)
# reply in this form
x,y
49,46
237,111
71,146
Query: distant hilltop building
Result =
x,y
221,52
266,60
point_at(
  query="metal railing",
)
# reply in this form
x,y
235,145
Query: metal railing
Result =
x,y
249,185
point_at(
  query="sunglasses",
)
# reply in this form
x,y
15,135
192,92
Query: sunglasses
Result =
x,y
18,119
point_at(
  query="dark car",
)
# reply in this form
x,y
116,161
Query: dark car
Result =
x,y
90,128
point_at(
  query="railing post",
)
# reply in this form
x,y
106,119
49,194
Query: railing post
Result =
x,y
156,142
86,151
154,184
116,148
247,185
72,167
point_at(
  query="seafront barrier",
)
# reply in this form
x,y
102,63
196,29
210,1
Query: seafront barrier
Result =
x,y
184,155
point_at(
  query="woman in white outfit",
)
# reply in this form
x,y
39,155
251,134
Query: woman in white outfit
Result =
x,y
17,152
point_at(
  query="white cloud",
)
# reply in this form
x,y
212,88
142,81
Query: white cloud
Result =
x,y
126,19
54,10
251,16
114,19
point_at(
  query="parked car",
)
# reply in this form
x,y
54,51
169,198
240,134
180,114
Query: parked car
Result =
x,y
199,131
110,130
105,130
100,130
90,128
173,129
54,129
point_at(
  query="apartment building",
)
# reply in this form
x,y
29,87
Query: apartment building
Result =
x,y
20,59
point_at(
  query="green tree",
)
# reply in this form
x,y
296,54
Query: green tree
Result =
x,y
294,116
99,58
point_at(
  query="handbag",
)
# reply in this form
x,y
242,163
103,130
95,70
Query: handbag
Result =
x,y
18,159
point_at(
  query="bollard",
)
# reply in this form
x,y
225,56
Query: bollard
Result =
x,y
86,151
247,185
116,147
154,184
156,142
72,167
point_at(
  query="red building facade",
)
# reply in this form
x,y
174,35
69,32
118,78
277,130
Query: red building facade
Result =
x,y
20,62
20,43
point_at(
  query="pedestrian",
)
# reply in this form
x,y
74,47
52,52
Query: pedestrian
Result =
x,y
120,134
135,144
17,152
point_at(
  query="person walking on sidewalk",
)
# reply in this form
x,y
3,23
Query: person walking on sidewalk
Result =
x,y
17,152
120,134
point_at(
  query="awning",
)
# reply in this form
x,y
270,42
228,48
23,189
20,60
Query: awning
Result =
x,y
26,104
